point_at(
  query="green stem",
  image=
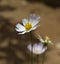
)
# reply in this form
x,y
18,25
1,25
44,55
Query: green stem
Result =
x,y
31,54
43,58
37,59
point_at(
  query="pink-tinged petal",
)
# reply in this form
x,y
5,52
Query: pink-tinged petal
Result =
x,y
34,48
20,28
37,47
38,18
43,50
34,19
35,23
29,47
24,21
40,45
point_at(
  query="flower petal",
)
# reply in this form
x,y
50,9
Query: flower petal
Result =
x,y
43,50
22,32
20,28
38,47
34,23
24,21
34,48
33,28
34,19
29,47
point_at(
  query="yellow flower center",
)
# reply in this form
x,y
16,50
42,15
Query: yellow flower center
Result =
x,y
37,50
47,38
28,26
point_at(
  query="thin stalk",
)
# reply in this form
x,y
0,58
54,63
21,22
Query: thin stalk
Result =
x,y
31,54
37,62
43,58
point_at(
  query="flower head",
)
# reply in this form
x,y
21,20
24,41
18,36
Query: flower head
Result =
x,y
45,41
28,25
37,48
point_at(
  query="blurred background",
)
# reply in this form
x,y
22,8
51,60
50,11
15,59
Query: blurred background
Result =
x,y
13,47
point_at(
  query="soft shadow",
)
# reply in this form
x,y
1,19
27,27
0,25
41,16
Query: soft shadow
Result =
x,y
50,3
7,8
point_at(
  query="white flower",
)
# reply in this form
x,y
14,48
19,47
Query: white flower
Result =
x,y
46,40
28,25
37,48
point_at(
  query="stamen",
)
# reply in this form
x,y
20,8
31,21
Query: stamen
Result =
x,y
47,38
28,26
37,50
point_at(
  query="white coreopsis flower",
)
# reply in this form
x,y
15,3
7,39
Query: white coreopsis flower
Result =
x,y
28,25
45,41
37,48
